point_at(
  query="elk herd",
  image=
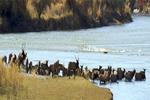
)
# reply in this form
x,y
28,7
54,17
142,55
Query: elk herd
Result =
x,y
104,75
115,75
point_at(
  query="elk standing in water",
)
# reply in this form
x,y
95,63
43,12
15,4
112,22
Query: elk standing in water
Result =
x,y
113,76
129,75
140,76
95,73
106,76
120,73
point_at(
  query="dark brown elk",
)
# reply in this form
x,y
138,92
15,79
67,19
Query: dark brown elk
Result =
x,y
95,74
72,68
30,67
37,67
87,74
4,59
120,73
79,71
21,58
14,59
129,75
44,65
140,76
44,70
103,78
65,71
10,57
27,65
56,68
101,71
113,76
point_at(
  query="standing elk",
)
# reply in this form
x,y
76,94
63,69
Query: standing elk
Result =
x,y
140,76
72,68
120,73
129,75
103,78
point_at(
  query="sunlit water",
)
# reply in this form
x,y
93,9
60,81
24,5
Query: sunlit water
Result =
x,y
127,45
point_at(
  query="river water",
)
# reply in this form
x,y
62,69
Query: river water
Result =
x,y
128,46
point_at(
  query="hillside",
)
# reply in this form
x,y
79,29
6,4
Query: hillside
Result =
x,y
47,15
65,89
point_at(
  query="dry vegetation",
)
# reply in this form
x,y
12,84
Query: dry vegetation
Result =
x,y
64,89
11,82
14,86
46,15
47,9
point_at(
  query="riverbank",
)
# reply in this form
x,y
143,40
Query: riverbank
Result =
x,y
61,89
65,89
141,14
15,85
48,15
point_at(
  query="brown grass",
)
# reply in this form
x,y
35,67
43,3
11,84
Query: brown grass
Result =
x,y
11,82
64,89
53,9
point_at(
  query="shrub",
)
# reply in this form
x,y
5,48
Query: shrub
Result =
x,y
11,81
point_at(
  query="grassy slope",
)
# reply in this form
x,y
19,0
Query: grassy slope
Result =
x,y
64,89
13,86
46,15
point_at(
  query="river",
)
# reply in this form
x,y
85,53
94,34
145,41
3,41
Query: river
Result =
x,y
128,46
